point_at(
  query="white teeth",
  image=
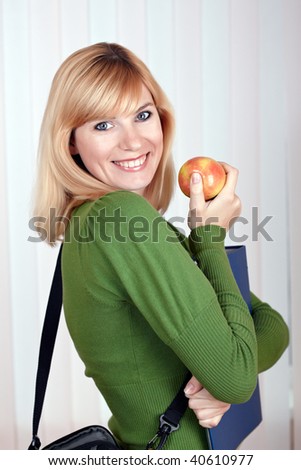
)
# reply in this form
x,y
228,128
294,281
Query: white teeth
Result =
x,y
131,163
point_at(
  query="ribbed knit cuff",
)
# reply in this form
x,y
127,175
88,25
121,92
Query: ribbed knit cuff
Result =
x,y
207,245
206,236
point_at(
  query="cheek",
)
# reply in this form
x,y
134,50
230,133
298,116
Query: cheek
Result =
x,y
91,160
91,151
160,143
158,138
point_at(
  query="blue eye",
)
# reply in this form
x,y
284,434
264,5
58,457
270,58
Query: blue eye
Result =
x,y
103,126
144,116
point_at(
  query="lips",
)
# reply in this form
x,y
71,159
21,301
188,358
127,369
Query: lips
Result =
x,y
133,164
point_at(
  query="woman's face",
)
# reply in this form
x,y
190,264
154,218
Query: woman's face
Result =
x,y
123,151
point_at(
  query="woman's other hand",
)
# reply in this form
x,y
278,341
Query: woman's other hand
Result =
x,y
208,410
222,210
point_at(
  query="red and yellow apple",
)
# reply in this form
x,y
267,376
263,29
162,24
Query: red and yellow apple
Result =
x,y
212,172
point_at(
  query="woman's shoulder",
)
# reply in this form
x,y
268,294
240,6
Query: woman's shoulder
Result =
x,y
120,215
119,212
123,202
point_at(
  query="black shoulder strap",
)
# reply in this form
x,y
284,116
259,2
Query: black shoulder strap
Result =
x,y
50,326
169,421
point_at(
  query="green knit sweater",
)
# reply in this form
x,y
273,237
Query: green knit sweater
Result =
x,y
141,313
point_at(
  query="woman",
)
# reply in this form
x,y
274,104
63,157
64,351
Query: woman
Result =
x,y
140,311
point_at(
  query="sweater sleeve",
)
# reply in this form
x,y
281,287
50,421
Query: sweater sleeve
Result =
x,y
271,331
198,313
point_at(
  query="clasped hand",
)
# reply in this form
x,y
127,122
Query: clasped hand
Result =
x,y
208,410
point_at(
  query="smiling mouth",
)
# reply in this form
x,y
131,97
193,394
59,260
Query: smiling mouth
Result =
x,y
131,164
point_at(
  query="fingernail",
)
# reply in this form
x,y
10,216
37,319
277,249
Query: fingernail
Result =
x,y
196,177
188,389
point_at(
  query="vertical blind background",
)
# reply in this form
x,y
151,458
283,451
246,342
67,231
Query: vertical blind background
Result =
x,y
232,70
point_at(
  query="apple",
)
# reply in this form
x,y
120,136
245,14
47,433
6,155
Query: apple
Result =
x,y
212,172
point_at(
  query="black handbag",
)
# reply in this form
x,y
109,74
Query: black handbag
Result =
x,y
92,437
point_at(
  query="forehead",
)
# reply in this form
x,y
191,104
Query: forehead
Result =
x,y
133,101
145,94
144,98
129,105
112,98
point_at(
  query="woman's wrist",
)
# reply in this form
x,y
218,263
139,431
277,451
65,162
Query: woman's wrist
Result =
x,y
206,236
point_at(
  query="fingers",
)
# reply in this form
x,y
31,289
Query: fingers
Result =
x,y
210,417
208,410
192,387
196,190
197,201
222,210
205,409
211,422
229,197
232,177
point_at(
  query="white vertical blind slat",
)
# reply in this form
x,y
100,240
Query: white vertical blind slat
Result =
x,y
7,405
292,71
273,202
216,74
187,95
18,148
102,21
45,56
244,115
188,79
131,26
74,22
160,30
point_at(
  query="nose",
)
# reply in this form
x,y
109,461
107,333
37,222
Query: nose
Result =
x,y
130,138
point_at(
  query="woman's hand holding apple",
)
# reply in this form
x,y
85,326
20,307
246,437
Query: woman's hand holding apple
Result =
x,y
222,210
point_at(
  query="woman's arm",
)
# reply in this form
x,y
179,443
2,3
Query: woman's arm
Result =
x,y
272,333
272,339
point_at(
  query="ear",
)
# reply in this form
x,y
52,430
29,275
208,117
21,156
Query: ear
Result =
x,y
72,145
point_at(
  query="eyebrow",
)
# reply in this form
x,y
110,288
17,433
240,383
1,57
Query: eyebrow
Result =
x,y
146,105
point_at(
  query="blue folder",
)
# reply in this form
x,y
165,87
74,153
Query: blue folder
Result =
x,y
242,419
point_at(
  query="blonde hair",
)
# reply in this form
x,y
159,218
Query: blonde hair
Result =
x,y
92,82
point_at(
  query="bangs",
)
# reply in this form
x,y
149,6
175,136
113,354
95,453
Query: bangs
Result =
x,y
119,93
